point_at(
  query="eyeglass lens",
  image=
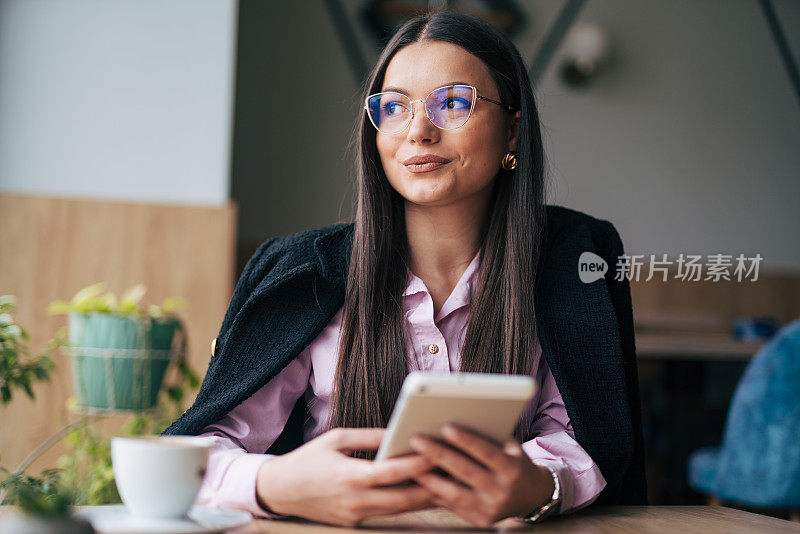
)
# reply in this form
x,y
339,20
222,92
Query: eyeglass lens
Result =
x,y
447,108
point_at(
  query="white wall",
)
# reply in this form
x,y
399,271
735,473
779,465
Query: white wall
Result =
x,y
689,143
130,99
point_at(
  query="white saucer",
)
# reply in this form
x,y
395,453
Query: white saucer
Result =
x,y
116,519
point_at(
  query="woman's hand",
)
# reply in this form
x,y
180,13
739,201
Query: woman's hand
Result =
x,y
319,481
491,483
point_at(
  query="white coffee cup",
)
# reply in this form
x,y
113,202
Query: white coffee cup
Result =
x,y
159,476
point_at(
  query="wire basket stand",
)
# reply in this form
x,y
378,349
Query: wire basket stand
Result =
x,y
144,399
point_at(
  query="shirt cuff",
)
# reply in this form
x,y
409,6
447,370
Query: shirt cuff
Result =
x,y
237,489
579,488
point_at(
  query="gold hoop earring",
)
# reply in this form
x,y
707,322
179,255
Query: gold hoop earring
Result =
x,y
509,161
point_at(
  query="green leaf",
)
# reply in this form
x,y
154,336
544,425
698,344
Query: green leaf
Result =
x,y
41,373
175,393
13,331
106,303
129,302
171,304
88,293
73,438
188,374
59,307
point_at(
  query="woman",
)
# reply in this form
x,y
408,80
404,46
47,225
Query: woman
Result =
x,y
453,263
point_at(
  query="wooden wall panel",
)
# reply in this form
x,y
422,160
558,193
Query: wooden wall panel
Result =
x,y
683,319
705,302
51,247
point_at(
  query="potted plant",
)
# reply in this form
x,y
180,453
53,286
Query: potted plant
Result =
x,y
120,350
85,475
43,506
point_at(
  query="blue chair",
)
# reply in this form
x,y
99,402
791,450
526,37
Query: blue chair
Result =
x,y
758,464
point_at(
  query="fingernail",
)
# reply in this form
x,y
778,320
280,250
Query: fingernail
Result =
x,y
418,442
449,431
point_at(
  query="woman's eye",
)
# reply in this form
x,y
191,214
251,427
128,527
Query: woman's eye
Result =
x,y
455,103
392,108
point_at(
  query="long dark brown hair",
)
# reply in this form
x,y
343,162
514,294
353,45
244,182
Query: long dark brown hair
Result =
x,y
501,331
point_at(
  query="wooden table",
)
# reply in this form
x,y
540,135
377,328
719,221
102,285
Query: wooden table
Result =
x,y
595,520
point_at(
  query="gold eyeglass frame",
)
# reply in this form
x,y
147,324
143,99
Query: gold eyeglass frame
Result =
x,y
475,96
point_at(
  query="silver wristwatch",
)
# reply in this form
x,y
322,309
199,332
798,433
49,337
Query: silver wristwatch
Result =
x,y
550,506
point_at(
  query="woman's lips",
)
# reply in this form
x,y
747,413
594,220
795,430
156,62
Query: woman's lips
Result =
x,y
425,163
425,167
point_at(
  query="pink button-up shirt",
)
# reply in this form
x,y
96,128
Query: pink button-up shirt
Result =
x,y
245,432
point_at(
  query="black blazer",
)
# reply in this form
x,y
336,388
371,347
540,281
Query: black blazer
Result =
x,y
293,286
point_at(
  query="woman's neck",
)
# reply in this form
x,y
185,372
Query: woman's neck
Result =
x,y
443,240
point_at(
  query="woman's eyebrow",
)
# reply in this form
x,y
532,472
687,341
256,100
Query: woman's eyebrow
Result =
x,y
394,90
403,91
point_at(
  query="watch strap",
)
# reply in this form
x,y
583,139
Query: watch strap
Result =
x,y
550,506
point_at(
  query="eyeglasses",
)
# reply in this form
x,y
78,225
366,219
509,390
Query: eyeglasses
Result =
x,y
447,107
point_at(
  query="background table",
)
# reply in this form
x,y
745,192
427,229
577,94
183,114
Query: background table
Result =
x,y
595,520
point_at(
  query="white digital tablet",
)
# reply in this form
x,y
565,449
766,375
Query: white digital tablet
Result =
x,y
489,404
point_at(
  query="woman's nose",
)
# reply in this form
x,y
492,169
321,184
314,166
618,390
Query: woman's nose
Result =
x,y
421,129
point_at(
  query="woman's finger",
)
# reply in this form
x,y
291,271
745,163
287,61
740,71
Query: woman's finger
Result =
x,y
392,470
458,499
353,439
477,447
447,491
454,462
382,501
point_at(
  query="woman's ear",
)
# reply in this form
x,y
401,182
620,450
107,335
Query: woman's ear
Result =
x,y
513,132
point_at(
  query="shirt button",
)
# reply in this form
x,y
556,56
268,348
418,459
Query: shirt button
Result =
x,y
433,349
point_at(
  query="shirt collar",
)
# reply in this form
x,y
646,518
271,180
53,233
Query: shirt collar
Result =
x,y
463,286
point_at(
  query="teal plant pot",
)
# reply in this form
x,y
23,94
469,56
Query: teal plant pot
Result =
x,y
119,362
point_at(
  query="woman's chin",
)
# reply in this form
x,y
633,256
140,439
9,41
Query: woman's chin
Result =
x,y
428,198
428,191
